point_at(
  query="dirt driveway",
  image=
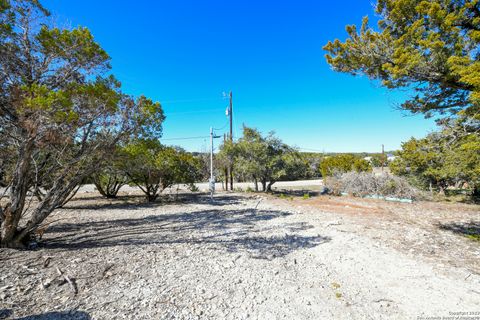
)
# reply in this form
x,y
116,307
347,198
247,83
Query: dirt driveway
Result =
x,y
247,257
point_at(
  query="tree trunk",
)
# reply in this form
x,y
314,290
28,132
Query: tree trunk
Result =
x,y
54,198
476,192
152,192
256,183
99,187
264,185
226,179
441,191
151,197
12,211
71,195
269,187
111,189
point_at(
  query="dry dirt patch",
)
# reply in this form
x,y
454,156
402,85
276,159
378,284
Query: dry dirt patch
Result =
x,y
438,231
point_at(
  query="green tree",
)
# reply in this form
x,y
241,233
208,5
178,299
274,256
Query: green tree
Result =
x,y
265,159
431,47
342,163
361,165
60,111
111,177
441,160
463,162
422,160
223,160
312,161
378,160
154,167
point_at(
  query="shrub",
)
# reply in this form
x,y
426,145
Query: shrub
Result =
x,y
153,167
108,182
343,163
361,165
362,184
193,188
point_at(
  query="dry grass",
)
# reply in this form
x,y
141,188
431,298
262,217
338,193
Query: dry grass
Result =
x,y
369,184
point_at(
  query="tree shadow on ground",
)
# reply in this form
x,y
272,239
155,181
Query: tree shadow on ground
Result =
x,y
95,196
66,315
296,193
469,229
232,230
5,313
133,202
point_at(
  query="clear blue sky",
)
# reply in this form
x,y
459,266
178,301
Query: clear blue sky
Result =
x,y
184,54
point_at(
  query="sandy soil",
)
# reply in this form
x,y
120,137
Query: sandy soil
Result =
x,y
247,257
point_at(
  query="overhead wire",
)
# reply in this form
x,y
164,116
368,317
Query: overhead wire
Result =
x,y
190,100
192,112
185,138
226,124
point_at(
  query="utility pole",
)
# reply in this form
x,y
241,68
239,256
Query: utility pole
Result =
x,y
383,156
211,182
225,169
211,153
231,138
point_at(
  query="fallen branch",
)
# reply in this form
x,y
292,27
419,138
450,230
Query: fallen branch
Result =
x,y
106,269
47,262
70,281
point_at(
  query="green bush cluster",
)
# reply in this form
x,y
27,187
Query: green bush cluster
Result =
x,y
263,159
441,161
343,163
150,166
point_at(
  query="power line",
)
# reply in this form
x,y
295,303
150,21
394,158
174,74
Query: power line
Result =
x,y
185,138
191,112
190,100
218,129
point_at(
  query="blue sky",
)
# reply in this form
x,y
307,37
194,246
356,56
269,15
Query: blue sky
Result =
x,y
184,54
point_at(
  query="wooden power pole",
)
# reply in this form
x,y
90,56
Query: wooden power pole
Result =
x,y
231,138
225,169
383,157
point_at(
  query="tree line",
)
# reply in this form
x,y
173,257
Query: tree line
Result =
x,y
266,159
431,49
64,119
62,115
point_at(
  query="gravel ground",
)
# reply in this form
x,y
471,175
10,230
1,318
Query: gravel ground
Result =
x,y
246,257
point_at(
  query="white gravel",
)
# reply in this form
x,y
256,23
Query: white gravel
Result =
x,y
225,260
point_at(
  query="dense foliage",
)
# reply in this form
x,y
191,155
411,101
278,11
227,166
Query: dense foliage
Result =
x,y
154,167
431,47
343,163
440,161
263,159
111,176
60,109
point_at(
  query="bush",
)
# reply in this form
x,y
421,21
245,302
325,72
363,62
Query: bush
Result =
x,y
361,184
193,188
153,167
343,163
